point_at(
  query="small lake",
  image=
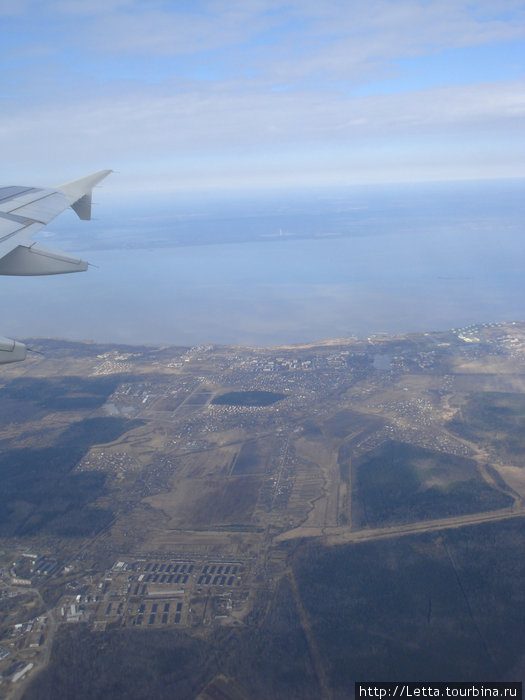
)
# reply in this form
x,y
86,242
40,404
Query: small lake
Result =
x,y
382,362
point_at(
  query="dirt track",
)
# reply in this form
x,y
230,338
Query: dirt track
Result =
x,y
343,535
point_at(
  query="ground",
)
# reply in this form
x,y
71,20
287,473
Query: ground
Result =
x,y
344,510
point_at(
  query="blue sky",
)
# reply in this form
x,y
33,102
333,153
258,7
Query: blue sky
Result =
x,y
261,93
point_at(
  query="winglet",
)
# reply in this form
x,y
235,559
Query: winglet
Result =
x,y
78,192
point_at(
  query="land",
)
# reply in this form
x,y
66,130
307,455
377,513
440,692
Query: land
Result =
x,y
227,522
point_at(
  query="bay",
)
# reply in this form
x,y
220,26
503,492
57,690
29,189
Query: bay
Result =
x,y
416,274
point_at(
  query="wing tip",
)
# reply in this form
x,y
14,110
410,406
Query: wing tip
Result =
x,y
79,192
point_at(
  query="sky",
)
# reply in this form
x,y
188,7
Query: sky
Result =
x,y
250,94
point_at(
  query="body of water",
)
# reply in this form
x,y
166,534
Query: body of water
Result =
x,y
392,267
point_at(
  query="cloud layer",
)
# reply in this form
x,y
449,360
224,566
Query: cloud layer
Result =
x,y
261,92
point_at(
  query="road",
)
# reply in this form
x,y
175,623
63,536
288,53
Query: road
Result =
x,y
343,535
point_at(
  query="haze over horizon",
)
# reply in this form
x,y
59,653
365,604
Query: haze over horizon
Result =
x,y
260,93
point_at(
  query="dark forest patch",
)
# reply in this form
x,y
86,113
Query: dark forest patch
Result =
x,y
494,418
398,482
62,393
41,494
444,605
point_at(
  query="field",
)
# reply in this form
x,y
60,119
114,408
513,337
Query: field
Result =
x,y
276,523
248,398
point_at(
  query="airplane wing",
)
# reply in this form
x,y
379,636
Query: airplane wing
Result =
x,y
23,212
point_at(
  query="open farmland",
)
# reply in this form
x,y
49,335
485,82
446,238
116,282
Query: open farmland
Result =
x,y
363,512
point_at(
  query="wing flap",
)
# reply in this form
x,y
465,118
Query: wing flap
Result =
x,y
13,234
30,260
11,351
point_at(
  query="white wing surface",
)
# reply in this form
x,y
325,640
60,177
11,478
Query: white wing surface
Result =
x,y
23,212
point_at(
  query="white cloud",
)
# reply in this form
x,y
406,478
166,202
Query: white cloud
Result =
x,y
283,103
199,120
181,132
298,39
303,38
